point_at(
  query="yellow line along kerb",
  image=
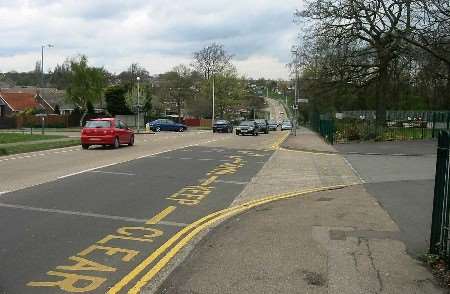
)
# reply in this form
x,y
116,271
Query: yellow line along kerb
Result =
x,y
280,141
197,227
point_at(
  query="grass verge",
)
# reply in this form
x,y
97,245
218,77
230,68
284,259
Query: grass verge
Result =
x,y
38,146
6,138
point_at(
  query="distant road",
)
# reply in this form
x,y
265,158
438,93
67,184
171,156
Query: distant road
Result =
x,y
276,109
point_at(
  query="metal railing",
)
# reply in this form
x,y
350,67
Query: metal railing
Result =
x,y
323,126
439,241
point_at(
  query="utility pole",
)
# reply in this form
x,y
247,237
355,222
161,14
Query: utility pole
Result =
x,y
213,98
138,104
295,106
42,62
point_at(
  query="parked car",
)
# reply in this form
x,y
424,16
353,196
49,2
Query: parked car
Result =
x,y
263,125
106,131
286,125
222,126
166,125
247,127
273,125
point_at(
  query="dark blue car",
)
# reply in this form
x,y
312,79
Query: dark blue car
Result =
x,y
166,125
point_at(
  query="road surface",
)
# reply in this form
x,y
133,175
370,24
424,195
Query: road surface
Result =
x,y
95,221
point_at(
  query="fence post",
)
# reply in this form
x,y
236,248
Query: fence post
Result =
x,y
448,120
439,230
434,125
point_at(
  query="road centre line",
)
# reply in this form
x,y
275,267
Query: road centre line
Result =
x,y
76,213
191,231
86,214
140,157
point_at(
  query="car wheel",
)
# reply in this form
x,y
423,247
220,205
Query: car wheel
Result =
x,y
214,131
85,146
116,143
158,129
131,143
181,130
257,134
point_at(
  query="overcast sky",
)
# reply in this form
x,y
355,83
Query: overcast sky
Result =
x,y
158,34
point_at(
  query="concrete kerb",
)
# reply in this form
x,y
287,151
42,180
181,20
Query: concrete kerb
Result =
x,y
196,231
311,151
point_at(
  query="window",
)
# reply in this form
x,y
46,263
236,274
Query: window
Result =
x,y
98,124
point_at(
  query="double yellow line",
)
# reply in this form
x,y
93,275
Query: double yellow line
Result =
x,y
193,230
280,141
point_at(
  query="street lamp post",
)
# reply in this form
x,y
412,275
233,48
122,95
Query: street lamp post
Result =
x,y
213,101
42,62
138,104
295,106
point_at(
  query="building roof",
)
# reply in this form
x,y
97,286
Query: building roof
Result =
x,y
20,101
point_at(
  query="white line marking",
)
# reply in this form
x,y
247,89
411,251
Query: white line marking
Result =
x,y
86,214
4,192
232,182
140,157
354,170
85,171
112,173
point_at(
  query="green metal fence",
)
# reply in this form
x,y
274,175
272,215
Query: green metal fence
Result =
x,y
439,242
323,125
362,126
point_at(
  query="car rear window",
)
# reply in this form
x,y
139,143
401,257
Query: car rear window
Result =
x,y
98,124
246,123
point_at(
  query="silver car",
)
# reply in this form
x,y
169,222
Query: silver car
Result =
x,y
286,125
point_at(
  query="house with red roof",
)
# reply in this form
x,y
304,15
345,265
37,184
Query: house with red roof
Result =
x,y
17,101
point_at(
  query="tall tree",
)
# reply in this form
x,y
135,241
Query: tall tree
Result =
x,y
86,84
369,28
115,100
212,60
177,87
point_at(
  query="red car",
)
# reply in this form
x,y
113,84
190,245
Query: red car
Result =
x,y
106,131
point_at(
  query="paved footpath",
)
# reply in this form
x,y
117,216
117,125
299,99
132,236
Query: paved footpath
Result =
x,y
337,240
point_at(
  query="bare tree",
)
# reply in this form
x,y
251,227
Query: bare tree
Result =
x,y
369,28
212,60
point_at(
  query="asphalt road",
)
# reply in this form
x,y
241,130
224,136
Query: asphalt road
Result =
x,y
24,170
403,185
94,221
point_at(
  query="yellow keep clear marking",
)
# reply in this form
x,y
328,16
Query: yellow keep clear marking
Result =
x,y
160,216
209,181
73,282
191,231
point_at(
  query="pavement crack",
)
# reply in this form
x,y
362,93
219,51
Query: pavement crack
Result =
x,y
372,262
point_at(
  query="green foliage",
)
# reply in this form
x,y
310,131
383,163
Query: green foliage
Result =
x,y
115,100
86,83
90,108
148,106
60,76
